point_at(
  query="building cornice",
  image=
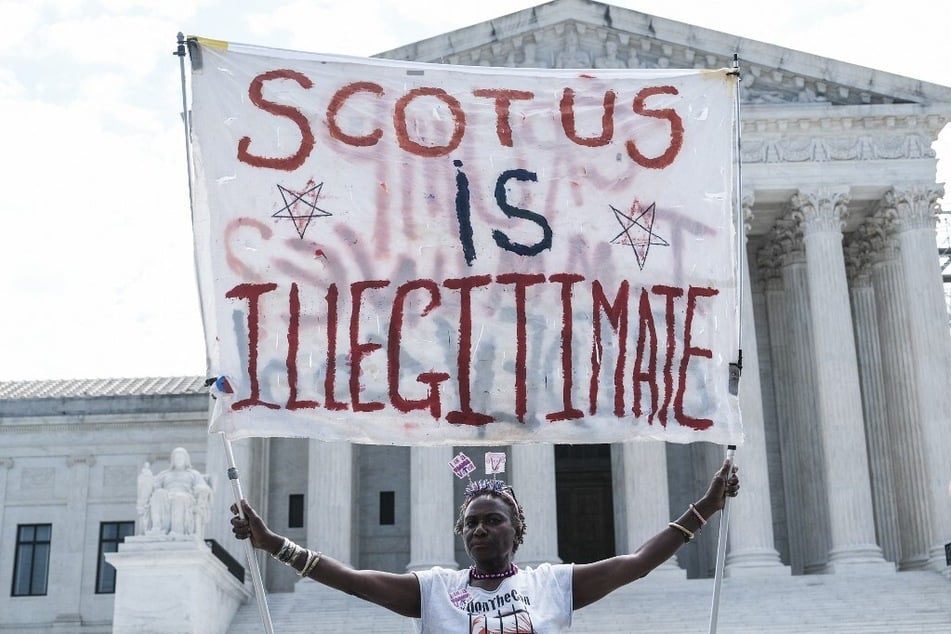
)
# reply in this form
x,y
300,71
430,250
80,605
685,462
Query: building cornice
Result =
x,y
774,73
100,422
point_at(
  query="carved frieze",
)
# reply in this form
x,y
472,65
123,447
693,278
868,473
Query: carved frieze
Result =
x,y
792,149
573,44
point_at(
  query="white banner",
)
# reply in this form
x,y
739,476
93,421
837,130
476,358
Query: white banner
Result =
x,y
404,253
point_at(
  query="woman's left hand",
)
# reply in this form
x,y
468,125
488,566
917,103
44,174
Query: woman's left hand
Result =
x,y
725,484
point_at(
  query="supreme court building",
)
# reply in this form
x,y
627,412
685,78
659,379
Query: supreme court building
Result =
x,y
845,391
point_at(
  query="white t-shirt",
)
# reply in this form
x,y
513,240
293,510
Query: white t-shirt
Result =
x,y
533,600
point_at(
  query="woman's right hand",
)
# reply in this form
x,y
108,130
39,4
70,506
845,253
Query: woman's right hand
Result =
x,y
251,525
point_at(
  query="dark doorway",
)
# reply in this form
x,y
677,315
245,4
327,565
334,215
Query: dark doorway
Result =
x,y
585,502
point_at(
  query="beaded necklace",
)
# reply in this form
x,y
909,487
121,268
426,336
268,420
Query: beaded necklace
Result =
x,y
479,576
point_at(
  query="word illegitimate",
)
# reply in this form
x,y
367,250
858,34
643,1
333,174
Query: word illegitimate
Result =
x,y
649,330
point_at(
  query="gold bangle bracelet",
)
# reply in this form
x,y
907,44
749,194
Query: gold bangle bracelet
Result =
x,y
687,534
312,560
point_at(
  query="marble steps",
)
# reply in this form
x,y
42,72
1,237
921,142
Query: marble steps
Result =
x,y
899,603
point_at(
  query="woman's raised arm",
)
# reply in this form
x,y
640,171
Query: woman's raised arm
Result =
x,y
591,582
396,592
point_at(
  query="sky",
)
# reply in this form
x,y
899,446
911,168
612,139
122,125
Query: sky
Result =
x,y
96,256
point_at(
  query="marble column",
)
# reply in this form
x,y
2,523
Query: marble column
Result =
x,y
822,214
752,550
868,349
432,516
898,374
641,498
330,504
770,261
805,469
533,478
69,569
931,344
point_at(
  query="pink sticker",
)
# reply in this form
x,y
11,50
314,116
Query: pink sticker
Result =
x,y
462,465
460,597
494,462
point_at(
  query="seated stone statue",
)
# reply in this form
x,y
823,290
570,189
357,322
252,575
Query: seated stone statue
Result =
x,y
530,58
176,501
610,58
572,56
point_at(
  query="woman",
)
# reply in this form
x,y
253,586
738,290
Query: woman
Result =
x,y
494,594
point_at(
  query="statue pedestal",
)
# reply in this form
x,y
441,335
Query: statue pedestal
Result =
x,y
172,584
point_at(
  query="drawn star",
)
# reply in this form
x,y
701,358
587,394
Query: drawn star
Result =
x,y
301,207
637,231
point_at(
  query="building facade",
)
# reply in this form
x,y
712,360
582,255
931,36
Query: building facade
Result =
x,y
844,392
70,454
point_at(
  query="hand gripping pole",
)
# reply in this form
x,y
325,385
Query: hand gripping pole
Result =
x,y
249,549
721,547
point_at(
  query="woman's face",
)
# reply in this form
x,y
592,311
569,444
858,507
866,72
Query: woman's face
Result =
x,y
488,532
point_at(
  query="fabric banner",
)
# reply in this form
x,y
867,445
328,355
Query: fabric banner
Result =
x,y
406,253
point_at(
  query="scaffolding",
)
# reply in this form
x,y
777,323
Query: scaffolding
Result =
x,y
944,255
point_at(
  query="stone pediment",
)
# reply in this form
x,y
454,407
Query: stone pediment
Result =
x,y
586,34
806,118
